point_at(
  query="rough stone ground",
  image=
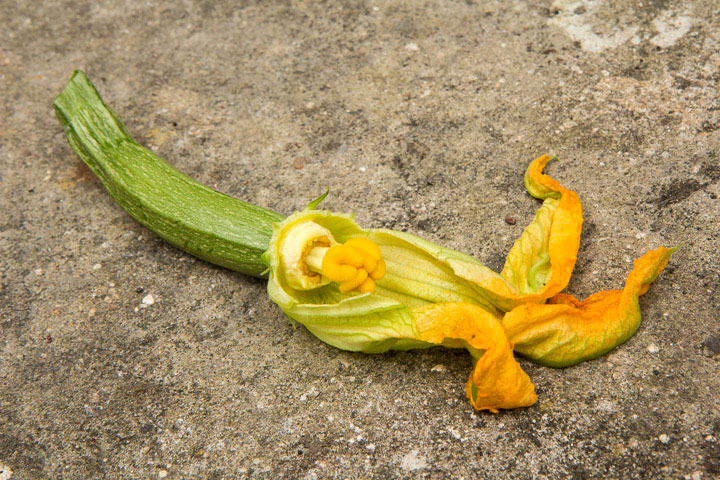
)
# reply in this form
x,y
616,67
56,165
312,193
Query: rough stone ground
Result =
x,y
420,117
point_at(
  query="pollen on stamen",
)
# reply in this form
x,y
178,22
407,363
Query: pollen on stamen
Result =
x,y
355,265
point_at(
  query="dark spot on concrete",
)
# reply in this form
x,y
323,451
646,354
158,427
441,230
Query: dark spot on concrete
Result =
x,y
711,170
711,452
669,120
658,4
82,173
709,126
637,71
587,237
495,262
711,345
147,429
682,83
550,12
406,164
677,192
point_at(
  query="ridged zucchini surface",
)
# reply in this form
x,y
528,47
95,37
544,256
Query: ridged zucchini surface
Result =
x,y
205,223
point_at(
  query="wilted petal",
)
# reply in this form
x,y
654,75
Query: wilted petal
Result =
x,y
497,381
541,261
565,331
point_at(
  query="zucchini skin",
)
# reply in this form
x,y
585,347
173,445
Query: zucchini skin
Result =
x,y
210,225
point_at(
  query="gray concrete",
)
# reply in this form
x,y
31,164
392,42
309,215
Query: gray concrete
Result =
x,y
419,117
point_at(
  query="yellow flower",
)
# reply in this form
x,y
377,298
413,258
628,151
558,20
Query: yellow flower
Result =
x,y
372,290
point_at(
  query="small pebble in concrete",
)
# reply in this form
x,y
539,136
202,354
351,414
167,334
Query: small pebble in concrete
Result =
x,y
510,220
299,162
413,461
162,474
438,368
664,438
711,345
652,348
148,299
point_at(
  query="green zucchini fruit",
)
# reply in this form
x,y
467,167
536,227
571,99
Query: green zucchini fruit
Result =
x,y
205,223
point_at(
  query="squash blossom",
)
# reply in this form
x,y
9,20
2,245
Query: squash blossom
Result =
x,y
373,290
426,295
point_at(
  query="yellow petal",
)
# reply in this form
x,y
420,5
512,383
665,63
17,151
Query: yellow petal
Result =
x,y
552,240
541,261
497,380
566,331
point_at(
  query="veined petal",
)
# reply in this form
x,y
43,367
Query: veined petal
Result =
x,y
419,272
565,331
362,323
419,302
497,381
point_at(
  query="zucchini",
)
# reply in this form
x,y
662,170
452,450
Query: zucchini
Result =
x,y
210,225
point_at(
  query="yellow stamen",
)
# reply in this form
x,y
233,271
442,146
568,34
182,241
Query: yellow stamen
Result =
x,y
355,265
379,271
354,283
365,246
368,286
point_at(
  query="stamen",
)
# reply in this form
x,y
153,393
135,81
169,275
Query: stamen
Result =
x,y
355,265
354,283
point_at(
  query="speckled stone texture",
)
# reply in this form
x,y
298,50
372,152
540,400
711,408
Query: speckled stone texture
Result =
x,y
419,116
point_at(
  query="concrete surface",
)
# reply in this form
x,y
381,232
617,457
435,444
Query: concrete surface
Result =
x,y
420,117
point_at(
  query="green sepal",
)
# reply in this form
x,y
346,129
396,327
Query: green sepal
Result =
x,y
313,205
